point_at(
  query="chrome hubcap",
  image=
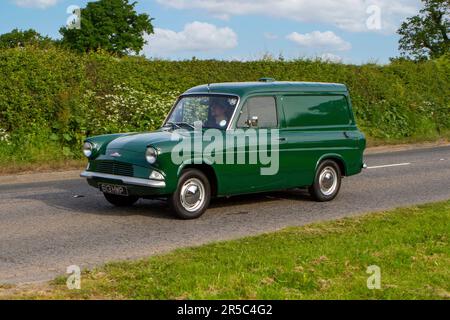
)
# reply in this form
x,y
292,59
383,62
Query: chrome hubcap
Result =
x,y
192,195
328,181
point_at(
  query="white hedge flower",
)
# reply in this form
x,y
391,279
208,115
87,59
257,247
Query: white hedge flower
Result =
x,y
128,109
4,136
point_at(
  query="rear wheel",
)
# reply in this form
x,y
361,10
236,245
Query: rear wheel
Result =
x,y
327,182
121,201
193,194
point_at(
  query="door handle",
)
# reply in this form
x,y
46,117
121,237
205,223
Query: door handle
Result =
x,y
282,139
350,135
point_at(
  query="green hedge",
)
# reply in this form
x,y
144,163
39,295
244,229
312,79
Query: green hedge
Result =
x,y
50,99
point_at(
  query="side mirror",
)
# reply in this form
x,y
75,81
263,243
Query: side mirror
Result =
x,y
253,122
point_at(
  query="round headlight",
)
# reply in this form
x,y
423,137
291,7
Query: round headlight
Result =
x,y
150,155
87,149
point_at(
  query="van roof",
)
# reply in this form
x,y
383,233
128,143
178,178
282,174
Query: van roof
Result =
x,y
244,88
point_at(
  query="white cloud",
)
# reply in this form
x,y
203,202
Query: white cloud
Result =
x,y
42,4
195,37
317,40
330,57
350,15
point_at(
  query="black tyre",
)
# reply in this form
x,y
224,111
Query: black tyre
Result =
x,y
327,182
193,194
121,201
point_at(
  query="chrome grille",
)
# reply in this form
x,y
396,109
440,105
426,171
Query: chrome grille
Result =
x,y
115,167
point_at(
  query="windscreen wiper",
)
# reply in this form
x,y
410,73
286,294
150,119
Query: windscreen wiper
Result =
x,y
179,124
173,125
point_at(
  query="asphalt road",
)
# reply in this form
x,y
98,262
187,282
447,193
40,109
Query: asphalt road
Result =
x,y
47,226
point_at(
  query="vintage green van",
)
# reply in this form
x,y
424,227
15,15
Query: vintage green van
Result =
x,y
227,139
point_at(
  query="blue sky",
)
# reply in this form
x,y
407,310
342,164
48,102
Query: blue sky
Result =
x,y
353,31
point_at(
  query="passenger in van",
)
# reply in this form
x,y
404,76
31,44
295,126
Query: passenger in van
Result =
x,y
218,115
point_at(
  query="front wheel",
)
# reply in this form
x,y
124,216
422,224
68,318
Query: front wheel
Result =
x,y
193,194
327,182
121,201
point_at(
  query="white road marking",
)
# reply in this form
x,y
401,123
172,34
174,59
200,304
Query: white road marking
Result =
x,y
390,165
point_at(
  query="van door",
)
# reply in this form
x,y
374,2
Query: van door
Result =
x,y
258,117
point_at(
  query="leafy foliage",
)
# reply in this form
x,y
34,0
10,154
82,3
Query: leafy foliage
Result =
x,y
110,25
18,38
426,35
51,99
126,109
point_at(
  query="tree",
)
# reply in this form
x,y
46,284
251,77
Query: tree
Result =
x,y
426,35
111,25
18,38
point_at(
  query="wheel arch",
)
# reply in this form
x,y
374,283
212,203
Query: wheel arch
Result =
x,y
336,158
206,169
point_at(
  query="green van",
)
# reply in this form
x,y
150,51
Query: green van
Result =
x,y
233,138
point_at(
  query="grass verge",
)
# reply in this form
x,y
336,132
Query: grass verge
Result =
x,y
41,166
318,261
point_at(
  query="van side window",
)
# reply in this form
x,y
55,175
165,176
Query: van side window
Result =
x,y
264,108
305,111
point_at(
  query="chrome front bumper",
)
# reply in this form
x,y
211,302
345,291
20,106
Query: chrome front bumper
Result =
x,y
125,180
